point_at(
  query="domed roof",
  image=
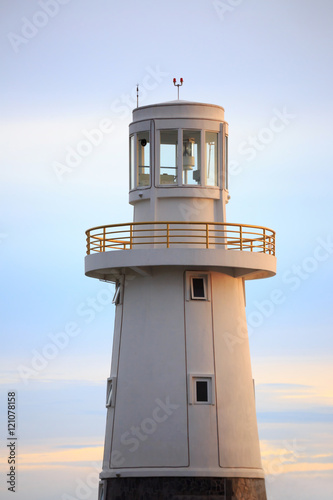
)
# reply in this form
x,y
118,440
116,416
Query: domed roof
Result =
x,y
179,109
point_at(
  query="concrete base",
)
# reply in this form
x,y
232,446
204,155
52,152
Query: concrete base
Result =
x,y
185,488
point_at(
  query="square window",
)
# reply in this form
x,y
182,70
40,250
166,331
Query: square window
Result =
x,y
202,391
198,288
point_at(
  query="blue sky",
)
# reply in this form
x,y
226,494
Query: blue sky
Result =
x,y
62,74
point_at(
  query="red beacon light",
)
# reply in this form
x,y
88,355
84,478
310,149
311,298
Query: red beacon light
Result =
x,y
178,84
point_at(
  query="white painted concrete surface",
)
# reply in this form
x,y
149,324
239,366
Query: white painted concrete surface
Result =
x,y
164,339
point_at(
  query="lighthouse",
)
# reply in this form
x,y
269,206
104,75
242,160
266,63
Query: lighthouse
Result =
x,y
181,419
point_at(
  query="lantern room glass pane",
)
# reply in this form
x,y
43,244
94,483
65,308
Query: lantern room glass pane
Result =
x,y
211,158
226,153
132,164
168,157
191,157
143,149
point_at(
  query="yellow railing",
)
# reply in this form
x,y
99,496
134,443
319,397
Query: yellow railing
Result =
x,y
186,234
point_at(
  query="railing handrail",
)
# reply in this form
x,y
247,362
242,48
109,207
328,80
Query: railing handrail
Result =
x,y
179,222
234,236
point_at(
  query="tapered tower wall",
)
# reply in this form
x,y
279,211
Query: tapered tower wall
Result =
x,y
181,421
163,339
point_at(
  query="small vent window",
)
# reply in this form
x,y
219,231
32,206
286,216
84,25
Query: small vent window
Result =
x,y
198,288
110,391
202,391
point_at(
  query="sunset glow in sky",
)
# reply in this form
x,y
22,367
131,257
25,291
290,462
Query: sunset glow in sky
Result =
x,y
70,67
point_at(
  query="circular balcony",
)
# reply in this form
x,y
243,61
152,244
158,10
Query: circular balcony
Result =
x,y
239,249
184,234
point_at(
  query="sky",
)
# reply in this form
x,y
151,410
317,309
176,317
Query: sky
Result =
x,y
67,65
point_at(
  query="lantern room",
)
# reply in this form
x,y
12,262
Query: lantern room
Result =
x,y
178,149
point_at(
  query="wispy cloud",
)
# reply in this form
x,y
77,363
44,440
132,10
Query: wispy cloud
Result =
x,y
55,458
293,456
320,415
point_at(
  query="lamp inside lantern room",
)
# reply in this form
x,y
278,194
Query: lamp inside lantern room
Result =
x,y
188,154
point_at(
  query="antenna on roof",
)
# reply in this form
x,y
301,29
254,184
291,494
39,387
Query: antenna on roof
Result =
x,y
137,95
178,84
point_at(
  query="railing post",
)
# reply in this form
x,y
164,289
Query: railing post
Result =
x,y
241,237
207,235
264,231
168,242
104,236
88,243
131,236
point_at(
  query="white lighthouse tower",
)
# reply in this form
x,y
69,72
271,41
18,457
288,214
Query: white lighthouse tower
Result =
x,y
181,419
